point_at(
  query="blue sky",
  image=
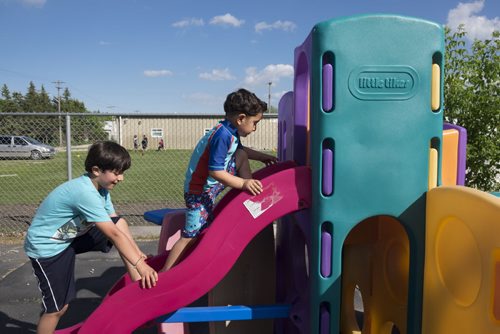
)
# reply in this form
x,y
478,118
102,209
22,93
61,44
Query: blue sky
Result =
x,y
183,56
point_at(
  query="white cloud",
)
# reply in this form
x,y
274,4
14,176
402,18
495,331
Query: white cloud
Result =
x,y
217,75
157,73
227,20
278,25
188,22
33,3
270,73
477,27
104,43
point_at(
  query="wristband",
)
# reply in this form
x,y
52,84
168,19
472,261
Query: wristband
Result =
x,y
137,262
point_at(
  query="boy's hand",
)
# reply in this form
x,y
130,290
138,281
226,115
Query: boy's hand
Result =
x,y
268,159
252,186
149,277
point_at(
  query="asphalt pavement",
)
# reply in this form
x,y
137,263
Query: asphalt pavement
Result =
x,y
95,273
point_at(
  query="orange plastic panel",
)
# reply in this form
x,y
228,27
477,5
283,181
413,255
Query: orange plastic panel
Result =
x,y
449,166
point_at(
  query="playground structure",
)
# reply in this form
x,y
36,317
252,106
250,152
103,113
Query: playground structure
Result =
x,y
373,203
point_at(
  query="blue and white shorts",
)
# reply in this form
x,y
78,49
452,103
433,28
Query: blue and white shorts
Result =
x,y
200,207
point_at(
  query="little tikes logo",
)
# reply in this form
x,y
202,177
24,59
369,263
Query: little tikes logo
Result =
x,y
383,82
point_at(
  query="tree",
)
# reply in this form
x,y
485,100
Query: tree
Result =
x,y
84,129
5,92
471,100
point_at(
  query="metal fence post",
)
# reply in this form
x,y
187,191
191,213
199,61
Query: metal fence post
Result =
x,y
120,130
68,147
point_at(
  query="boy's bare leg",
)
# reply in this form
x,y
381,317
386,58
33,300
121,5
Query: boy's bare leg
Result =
x,y
48,321
179,248
243,164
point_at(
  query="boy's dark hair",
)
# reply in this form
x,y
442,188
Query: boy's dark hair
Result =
x,y
244,102
108,155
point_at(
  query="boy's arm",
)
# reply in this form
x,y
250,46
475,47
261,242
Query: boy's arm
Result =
x,y
229,180
129,236
129,252
259,156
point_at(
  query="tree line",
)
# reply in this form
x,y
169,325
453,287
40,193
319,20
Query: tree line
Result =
x,y
471,100
49,129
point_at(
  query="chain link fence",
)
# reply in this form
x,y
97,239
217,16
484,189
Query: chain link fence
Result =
x,y
154,181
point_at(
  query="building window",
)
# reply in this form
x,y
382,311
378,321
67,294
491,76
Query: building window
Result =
x,y
157,133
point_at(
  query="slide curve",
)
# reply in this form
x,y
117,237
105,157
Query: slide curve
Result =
x,y
241,217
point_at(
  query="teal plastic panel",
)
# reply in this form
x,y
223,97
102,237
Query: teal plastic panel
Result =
x,y
382,126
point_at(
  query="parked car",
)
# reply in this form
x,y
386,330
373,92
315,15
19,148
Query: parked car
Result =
x,y
24,147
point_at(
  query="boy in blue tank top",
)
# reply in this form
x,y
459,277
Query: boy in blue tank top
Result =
x,y
76,217
219,160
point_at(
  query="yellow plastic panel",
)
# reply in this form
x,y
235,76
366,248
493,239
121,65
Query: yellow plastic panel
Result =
x,y
456,248
379,266
433,168
435,87
496,285
449,164
461,269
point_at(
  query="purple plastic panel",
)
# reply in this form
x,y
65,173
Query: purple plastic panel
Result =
x,y
284,141
326,254
292,282
285,118
301,100
327,87
324,322
462,151
327,171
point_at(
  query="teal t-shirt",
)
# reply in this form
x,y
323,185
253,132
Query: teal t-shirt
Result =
x,y
69,211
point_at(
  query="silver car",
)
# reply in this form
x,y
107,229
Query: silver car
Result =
x,y
24,147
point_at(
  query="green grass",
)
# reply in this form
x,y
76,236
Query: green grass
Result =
x,y
154,177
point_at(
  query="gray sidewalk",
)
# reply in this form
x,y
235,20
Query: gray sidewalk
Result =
x,y
95,273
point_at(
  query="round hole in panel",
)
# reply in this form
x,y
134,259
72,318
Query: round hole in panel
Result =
x,y
390,328
358,307
458,260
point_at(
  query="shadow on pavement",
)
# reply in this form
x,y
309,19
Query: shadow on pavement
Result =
x,y
9,325
89,291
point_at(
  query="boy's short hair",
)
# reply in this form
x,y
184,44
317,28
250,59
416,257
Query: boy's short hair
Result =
x,y
245,102
108,155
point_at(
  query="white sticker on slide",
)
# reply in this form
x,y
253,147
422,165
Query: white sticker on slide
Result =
x,y
262,202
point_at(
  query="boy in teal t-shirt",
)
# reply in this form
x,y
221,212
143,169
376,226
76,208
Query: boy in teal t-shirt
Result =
x,y
76,217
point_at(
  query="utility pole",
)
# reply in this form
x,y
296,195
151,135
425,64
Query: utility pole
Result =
x,y
269,96
59,87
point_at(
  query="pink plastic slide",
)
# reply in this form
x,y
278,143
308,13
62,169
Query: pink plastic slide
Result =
x,y
242,217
